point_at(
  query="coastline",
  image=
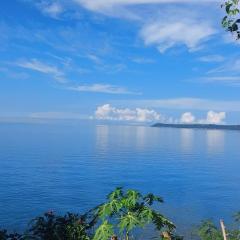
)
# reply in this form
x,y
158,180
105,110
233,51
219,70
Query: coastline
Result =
x,y
198,126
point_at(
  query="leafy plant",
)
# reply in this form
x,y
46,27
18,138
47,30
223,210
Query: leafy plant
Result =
x,y
231,21
124,214
208,231
4,235
127,211
52,227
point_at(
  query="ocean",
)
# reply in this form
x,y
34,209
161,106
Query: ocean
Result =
x,y
67,166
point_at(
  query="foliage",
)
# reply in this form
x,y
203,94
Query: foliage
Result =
x,y
232,19
4,235
52,227
126,211
208,231
69,227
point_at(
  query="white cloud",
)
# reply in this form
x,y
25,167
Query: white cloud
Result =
x,y
50,8
41,67
233,80
214,118
231,67
187,117
107,112
227,73
211,118
141,60
163,23
223,78
102,88
94,58
101,5
167,34
212,58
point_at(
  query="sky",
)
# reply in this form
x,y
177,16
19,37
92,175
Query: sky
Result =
x,y
118,60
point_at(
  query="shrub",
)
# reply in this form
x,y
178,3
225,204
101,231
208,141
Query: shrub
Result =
x,y
126,211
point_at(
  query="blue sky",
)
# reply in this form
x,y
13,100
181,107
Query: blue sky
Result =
x,y
131,60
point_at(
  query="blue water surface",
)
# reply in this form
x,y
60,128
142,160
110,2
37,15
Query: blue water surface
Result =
x,y
72,166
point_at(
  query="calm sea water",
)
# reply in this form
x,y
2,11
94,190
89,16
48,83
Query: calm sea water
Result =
x,y
71,167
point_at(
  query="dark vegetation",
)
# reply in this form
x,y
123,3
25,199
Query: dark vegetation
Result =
x,y
231,20
124,214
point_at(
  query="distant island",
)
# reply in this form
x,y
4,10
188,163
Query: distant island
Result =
x,y
197,126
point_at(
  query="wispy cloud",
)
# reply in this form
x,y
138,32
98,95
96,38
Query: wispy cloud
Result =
x,y
169,34
212,58
232,67
226,73
102,88
222,79
104,66
161,23
184,104
94,58
165,25
57,115
141,60
41,67
103,5
50,8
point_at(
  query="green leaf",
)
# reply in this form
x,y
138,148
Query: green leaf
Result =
x,y
237,217
104,232
228,7
146,215
150,199
105,210
116,194
160,222
131,198
235,2
109,209
234,27
208,231
128,222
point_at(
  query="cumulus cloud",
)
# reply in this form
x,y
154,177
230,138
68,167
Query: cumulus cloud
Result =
x,y
188,118
107,112
215,117
211,118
